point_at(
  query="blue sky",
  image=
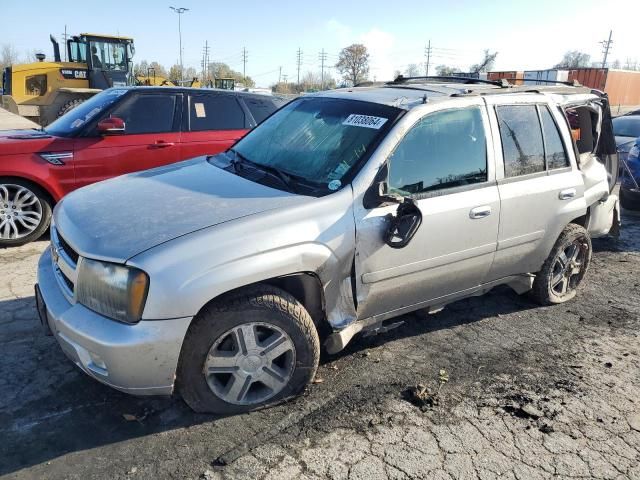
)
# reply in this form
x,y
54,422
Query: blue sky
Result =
x,y
527,34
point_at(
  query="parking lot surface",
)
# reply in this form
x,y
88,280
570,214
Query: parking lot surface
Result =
x,y
532,393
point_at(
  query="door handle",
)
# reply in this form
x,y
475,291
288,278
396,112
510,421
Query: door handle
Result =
x,y
162,144
480,212
567,194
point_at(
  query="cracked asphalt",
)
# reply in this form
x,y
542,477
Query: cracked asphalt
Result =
x,y
532,393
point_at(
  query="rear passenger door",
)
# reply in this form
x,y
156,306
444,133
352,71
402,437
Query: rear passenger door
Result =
x,y
539,184
214,122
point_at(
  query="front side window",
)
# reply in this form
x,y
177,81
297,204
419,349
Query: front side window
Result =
x,y
320,140
553,146
215,112
147,113
522,146
107,55
443,150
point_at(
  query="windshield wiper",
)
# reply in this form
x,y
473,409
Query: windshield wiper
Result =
x,y
284,178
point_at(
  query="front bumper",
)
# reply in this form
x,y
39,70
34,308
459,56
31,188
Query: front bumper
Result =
x,y
140,359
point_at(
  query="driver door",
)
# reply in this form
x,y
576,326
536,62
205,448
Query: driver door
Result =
x,y
445,164
151,139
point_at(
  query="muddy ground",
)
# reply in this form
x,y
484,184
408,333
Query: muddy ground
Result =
x,y
531,393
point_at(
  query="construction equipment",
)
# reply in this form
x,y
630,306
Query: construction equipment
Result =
x,y
45,90
225,83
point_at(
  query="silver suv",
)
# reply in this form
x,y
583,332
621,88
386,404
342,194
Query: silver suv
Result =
x,y
220,276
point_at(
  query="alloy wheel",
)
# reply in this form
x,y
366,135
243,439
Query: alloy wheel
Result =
x,y
250,363
569,267
20,212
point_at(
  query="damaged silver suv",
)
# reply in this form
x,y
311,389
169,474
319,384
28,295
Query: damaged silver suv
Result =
x,y
221,276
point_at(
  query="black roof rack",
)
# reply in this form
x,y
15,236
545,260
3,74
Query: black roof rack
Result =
x,y
400,80
574,83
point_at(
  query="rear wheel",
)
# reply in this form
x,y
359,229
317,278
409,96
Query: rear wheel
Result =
x,y
251,349
25,212
564,269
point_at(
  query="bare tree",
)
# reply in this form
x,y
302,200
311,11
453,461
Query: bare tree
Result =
x,y
574,59
485,64
353,63
412,70
8,55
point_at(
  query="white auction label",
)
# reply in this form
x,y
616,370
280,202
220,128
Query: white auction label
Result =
x,y
367,121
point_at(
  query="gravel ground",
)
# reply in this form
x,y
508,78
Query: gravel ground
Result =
x,y
531,393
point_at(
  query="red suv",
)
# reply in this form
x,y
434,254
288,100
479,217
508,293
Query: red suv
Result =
x,y
118,131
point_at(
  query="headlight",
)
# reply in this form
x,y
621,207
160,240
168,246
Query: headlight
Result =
x,y
112,290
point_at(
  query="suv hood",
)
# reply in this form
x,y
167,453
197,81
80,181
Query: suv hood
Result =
x,y
119,218
31,141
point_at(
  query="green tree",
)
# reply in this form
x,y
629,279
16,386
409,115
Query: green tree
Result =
x,y
222,70
446,71
353,63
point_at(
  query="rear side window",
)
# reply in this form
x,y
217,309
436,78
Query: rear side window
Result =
x,y
260,108
443,150
522,146
147,113
215,112
553,146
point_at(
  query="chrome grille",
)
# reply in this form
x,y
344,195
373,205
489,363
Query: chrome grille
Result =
x,y
65,262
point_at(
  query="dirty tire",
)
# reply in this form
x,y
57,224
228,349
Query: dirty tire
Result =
x,y
261,303
69,105
543,291
45,212
629,200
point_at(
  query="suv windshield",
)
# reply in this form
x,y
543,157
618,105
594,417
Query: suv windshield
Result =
x,y
318,140
70,123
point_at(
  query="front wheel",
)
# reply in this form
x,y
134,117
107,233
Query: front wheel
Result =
x,y
564,269
251,349
25,212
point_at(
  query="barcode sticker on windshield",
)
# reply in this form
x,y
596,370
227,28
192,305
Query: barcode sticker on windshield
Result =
x,y
367,121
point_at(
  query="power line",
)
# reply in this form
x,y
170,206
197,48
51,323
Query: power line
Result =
x,y
606,46
299,62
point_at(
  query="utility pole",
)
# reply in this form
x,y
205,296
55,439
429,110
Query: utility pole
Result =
x,y
64,42
299,62
244,65
205,61
323,58
284,78
606,46
180,11
427,54
280,73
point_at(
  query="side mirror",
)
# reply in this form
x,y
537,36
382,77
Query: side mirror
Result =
x,y
377,195
111,126
404,224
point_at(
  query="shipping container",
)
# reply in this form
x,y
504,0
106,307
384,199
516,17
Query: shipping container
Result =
x,y
623,87
512,76
543,77
589,77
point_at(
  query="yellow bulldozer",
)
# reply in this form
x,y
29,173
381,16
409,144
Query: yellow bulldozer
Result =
x,y
45,90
